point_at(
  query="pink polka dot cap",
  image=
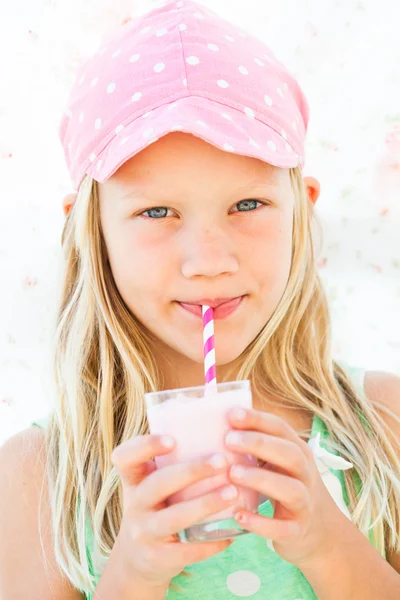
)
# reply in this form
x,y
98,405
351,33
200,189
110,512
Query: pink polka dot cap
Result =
x,y
181,67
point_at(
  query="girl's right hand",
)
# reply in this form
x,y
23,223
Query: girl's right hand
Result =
x,y
149,527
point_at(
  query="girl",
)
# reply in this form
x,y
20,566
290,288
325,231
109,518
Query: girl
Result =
x,y
184,137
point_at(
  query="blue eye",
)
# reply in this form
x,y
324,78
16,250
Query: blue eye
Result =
x,y
156,213
161,212
248,205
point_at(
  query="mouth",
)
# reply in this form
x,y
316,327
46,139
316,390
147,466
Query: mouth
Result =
x,y
222,307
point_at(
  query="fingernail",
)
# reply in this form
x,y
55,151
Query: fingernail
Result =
x,y
238,472
229,493
167,441
239,414
240,518
234,438
218,461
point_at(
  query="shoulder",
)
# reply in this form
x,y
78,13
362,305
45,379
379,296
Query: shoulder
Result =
x,y
383,389
21,455
27,562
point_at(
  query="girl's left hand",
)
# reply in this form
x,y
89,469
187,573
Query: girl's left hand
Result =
x,y
306,519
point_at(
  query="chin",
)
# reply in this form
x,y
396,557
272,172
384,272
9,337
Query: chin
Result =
x,y
223,356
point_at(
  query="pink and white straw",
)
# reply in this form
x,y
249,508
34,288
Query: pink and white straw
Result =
x,y
209,347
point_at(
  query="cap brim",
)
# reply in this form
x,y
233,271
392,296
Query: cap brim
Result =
x,y
224,127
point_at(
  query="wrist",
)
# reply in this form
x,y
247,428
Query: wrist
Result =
x,y
119,580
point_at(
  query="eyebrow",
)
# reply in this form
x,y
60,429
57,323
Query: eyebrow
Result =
x,y
256,182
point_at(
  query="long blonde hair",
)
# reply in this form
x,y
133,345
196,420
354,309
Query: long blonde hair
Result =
x,y
103,366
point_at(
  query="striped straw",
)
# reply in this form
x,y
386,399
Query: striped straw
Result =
x,y
209,348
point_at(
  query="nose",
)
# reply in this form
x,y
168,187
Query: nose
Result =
x,y
208,253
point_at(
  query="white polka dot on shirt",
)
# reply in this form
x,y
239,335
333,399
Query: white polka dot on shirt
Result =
x,y
111,88
243,70
192,60
243,583
222,83
97,124
159,67
182,27
229,148
134,58
213,47
136,96
161,32
116,53
268,100
271,145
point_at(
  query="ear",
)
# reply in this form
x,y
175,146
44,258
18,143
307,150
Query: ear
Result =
x,y
68,202
312,187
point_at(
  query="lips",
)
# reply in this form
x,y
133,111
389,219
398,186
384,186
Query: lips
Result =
x,y
222,308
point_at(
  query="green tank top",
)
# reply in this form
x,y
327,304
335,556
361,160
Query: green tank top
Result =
x,y
250,568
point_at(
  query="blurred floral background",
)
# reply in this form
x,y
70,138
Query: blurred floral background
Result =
x,y
346,56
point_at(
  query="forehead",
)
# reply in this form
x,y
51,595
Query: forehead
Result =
x,y
180,160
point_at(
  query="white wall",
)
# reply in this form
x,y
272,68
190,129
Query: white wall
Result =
x,y
345,55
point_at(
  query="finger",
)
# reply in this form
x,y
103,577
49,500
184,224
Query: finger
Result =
x,y
181,515
290,492
188,554
164,482
130,456
280,452
277,530
266,423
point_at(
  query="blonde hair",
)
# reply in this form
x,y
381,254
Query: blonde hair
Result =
x,y
103,366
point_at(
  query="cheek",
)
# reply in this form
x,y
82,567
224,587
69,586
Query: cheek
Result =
x,y
271,252
138,268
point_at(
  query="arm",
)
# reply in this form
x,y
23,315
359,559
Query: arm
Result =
x,y
355,570
117,583
24,573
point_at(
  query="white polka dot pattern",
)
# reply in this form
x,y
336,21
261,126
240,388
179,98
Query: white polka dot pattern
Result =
x,y
243,583
226,85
